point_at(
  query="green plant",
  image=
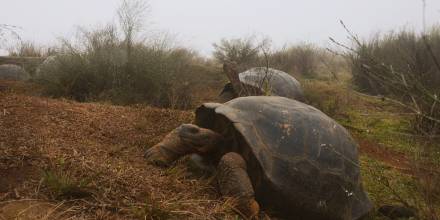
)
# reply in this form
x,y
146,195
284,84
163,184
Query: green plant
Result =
x,y
329,97
63,185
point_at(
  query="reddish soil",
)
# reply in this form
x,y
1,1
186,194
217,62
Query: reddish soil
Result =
x,y
396,160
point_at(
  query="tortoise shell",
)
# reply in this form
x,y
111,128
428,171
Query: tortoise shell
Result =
x,y
300,160
267,81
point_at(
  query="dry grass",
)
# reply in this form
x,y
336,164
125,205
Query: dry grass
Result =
x,y
93,155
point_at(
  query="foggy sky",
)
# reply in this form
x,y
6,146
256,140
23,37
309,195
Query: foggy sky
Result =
x,y
199,23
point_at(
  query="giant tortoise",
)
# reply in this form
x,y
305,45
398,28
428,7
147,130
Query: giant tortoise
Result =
x,y
259,81
13,72
275,152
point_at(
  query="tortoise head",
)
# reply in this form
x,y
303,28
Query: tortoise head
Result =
x,y
230,68
201,138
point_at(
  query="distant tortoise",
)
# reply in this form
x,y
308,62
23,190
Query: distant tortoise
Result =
x,y
288,156
13,72
260,81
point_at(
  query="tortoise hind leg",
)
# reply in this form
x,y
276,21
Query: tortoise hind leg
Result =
x,y
233,181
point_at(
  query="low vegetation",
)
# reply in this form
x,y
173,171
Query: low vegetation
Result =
x,y
403,66
29,49
99,69
302,60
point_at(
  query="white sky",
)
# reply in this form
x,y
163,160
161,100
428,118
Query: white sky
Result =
x,y
199,23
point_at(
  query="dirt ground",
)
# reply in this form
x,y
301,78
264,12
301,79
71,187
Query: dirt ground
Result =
x,y
392,158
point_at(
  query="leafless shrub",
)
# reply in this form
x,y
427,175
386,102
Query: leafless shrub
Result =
x,y
131,16
402,67
243,51
302,59
27,49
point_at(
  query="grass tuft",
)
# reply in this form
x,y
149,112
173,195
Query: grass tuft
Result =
x,y
63,185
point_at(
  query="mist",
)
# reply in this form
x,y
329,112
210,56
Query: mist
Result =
x,y
200,23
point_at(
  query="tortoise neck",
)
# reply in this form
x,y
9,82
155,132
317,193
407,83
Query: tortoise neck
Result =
x,y
230,69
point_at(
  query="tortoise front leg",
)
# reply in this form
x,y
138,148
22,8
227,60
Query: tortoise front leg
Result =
x,y
233,181
185,139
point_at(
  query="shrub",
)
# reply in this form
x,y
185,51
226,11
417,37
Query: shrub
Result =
x,y
104,65
329,97
29,49
244,52
302,59
96,70
404,67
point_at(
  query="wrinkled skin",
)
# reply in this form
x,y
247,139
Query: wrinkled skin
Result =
x,y
185,139
233,179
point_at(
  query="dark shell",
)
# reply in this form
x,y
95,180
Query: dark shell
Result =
x,y
305,155
272,82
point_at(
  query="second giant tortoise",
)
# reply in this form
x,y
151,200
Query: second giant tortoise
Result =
x,y
260,81
274,152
